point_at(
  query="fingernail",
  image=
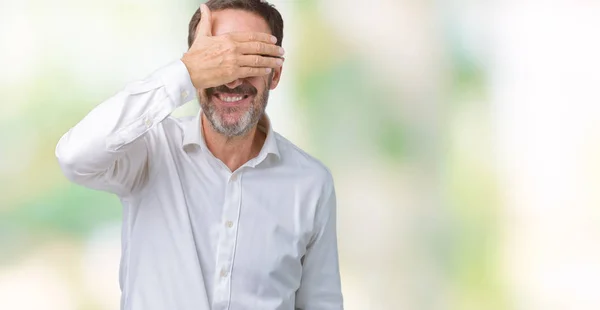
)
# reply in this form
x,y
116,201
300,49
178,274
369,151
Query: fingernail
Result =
x,y
268,70
279,62
281,51
273,39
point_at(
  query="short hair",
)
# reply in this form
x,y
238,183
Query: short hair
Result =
x,y
259,7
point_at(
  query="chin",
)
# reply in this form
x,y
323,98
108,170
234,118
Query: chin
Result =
x,y
230,118
232,125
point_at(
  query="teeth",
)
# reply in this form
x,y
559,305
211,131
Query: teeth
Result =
x,y
231,99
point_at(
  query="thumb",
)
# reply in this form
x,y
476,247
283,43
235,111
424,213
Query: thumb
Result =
x,y
205,25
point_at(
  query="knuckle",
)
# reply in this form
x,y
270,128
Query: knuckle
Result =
x,y
258,47
230,61
231,47
256,60
226,39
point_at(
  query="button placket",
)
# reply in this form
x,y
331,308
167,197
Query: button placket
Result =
x,y
227,239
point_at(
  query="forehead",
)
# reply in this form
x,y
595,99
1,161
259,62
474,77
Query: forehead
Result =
x,y
233,20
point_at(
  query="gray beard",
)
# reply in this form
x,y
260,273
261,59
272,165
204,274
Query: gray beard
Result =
x,y
248,120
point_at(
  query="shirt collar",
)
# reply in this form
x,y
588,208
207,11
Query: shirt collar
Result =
x,y
192,134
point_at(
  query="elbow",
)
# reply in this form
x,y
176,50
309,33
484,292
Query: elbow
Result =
x,y
70,159
69,169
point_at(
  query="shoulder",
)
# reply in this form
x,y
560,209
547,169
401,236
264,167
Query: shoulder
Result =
x,y
301,161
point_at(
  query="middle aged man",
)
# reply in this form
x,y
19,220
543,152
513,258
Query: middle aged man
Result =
x,y
219,211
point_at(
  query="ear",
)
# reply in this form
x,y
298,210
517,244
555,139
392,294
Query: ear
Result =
x,y
276,77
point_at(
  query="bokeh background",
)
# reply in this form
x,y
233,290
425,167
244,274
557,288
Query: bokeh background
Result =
x,y
463,137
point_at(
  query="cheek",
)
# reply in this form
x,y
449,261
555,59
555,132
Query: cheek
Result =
x,y
259,82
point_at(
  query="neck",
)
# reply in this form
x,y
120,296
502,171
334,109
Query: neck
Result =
x,y
233,151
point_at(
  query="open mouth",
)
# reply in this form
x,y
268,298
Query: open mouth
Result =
x,y
232,99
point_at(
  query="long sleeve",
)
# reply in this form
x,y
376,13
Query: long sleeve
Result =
x,y
107,150
320,288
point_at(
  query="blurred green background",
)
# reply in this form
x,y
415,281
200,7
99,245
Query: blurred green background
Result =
x,y
463,139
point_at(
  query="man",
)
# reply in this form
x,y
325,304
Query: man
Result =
x,y
219,211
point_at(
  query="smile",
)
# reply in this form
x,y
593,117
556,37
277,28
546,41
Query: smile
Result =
x,y
232,98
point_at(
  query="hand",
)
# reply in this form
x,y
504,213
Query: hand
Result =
x,y
216,60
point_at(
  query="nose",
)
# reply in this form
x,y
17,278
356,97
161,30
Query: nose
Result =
x,y
234,84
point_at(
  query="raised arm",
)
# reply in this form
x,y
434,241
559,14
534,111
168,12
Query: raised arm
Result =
x,y
107,150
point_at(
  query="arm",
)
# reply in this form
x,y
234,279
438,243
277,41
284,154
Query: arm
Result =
x,y
320,288
107,150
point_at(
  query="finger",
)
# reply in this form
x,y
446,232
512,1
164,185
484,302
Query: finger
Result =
x,y
252,36
259,61
205,25
259,48
245,72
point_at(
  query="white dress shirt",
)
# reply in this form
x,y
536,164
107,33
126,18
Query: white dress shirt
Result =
x,y
196,236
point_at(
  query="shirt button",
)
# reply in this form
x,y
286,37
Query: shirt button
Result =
x,y
184,94
233,178
148,122
229,224
223,273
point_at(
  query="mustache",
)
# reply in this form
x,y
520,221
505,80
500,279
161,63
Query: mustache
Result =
x,y
242,89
